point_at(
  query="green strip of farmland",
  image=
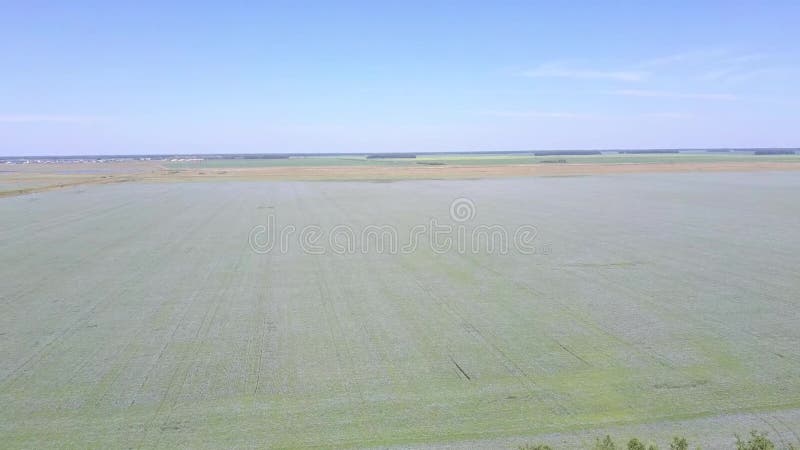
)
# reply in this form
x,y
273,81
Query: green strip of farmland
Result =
x,y
479,159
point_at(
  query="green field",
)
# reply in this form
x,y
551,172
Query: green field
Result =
x,y
138,315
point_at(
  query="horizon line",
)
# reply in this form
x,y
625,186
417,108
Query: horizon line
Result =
x,y
446,152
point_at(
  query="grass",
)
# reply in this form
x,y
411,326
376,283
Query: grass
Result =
x,y
137,315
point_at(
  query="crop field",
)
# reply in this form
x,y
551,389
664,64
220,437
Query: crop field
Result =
x,y
142,314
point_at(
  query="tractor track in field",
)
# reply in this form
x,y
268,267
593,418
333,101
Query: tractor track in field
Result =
x,y
763,418
77,323
511,366
458,366
187,305
177,380
98,350
171,395
790,429
264,330
676,310
69,217
95,254
390,368
569,312
261,346
344,356
705,255
590,324
568,350
701,320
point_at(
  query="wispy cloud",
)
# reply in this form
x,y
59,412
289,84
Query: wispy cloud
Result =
x,y
668,94
581,116
667,60
555,70
536,114
718,66
746,58
691,56
718,74
667,115
41,118
738,76
723,65
715,65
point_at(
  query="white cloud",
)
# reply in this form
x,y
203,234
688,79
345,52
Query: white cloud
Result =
x,y
39,118
667,94
553,70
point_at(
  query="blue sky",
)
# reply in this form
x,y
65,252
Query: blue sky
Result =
x,y
107,78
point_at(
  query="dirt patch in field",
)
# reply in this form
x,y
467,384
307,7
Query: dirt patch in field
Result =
x,y
33,178
469,172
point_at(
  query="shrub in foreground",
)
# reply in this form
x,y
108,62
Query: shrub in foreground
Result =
x,y
535,447
636,444
605,444
756,441
678,443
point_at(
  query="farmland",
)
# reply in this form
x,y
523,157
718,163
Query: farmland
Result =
x,y
20,179
484,160
138,314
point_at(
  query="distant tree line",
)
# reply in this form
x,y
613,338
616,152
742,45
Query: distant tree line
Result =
x,y
646,152
391,155
266,156
567,152
773,152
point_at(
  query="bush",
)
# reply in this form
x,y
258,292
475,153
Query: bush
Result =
x,y
534,447
679,443
606,444
757,441
636,444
